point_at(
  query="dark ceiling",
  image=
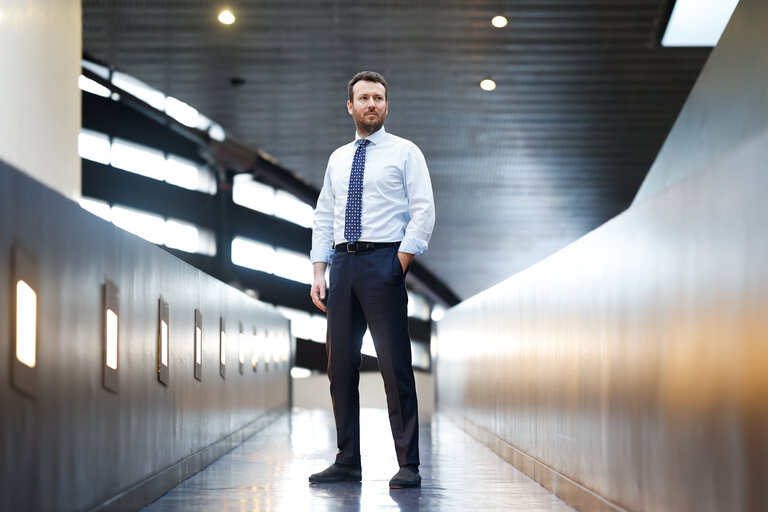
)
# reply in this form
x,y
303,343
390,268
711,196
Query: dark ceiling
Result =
x,y
585,98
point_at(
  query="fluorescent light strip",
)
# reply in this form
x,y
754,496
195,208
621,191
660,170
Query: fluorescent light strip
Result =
x,y
698,22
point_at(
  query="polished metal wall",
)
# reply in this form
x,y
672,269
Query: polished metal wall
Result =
x,y
74,445
727,106
633,362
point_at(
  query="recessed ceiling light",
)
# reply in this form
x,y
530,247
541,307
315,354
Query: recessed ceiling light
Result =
x,y
499,21
487,85
226,17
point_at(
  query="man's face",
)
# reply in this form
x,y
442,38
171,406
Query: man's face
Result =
x,y
368,106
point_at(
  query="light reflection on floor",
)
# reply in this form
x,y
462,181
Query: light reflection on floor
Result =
x,y
269,472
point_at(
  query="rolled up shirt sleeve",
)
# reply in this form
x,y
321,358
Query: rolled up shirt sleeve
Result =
x,y
322,223
421,204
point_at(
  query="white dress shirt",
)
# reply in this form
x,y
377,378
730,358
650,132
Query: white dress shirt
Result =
x,y
397,197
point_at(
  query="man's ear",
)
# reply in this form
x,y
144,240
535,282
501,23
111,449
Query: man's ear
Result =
x,y
349,107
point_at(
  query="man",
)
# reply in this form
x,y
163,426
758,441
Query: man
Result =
x,y
374,213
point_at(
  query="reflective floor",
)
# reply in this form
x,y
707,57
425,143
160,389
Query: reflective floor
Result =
x,y
270,470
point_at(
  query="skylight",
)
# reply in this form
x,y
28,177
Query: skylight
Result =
x,y
698,22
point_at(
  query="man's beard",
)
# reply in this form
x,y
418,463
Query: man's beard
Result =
x,y
370,126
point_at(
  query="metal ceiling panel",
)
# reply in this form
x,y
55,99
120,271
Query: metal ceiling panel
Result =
x,y
585,97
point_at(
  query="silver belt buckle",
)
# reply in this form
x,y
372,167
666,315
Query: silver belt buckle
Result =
x,y
353,245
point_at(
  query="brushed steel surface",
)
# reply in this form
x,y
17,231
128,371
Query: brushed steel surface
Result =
x,y
75,445
633,361
727,106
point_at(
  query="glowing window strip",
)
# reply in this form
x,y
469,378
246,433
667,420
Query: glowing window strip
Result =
x,y
148,226
265,258
138,159
94,146
290,208
136,87
96,207
26,324
182,173
88,85
181,235
180,111
265,199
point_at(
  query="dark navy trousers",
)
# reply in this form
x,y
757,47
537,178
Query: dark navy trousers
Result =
x,y
369,288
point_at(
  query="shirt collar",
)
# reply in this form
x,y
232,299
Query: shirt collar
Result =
x,y
375,137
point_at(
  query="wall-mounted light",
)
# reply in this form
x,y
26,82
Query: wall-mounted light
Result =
x,y
223,349
286,346
255,347
240,349
111,336
198,345
266,342
163,350
24,367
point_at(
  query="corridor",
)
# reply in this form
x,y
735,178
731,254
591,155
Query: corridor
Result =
x,y
269,472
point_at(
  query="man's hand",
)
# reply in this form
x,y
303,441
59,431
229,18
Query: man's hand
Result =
x,y
405,259
317,292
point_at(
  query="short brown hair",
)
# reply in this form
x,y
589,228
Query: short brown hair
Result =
x,y
368,76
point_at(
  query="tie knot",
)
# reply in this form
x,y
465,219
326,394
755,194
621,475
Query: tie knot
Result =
x,y
363,142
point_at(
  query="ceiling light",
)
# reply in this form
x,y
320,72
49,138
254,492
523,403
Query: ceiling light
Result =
x,y
487,85
226,17
698,22
499,21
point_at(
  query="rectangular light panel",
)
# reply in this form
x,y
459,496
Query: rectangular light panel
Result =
x,y
111,339
198,345
223,347
698,22
164,343
26,324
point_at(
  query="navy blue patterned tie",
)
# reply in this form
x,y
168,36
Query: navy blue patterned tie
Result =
x,y
352,215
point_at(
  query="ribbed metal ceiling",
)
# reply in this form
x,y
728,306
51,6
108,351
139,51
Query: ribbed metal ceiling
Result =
x,y
585,98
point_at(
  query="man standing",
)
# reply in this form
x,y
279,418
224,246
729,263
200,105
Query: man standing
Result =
x,y
374,213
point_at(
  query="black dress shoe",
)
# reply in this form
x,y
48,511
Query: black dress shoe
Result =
x,y
336,474
405,478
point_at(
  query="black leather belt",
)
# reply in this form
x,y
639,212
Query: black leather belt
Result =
x,y
365,246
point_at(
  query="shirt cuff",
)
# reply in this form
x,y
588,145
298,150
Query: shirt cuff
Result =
x,y
320,255
413,246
